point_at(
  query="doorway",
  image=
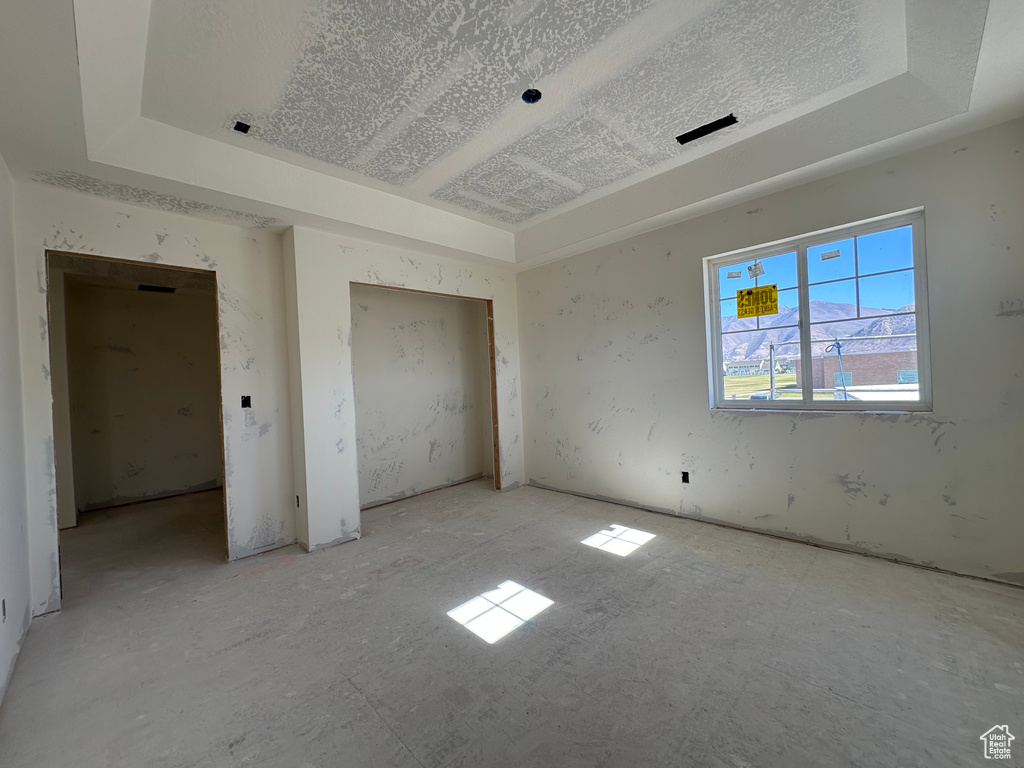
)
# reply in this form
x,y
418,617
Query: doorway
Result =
x,y
135,358
426,400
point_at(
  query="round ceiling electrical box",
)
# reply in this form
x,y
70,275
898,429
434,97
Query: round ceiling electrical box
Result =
x,y
531,95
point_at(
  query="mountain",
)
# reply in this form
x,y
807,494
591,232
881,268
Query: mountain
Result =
x,y
834,322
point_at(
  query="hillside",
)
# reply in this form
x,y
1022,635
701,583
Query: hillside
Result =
x,y
753,345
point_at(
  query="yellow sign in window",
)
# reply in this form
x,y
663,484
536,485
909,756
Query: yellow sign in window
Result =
x,y
752,302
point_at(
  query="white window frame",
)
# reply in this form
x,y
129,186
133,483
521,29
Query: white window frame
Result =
x,y
800,244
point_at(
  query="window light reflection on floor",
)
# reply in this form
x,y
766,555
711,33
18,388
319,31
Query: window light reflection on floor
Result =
x,y
494,614
619,540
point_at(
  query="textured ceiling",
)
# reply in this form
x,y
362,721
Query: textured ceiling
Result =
x,y
388,88
394,92
149,199
743,58
400,122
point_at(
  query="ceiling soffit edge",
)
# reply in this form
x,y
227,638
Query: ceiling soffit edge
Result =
x,y
936,87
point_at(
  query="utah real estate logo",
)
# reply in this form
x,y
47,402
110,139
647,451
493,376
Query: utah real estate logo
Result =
x,y
997,742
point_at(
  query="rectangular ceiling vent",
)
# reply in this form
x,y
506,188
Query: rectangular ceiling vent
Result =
x,y
708,128
157,288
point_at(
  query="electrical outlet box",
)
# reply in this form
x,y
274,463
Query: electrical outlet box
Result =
x,y
686,477
247,401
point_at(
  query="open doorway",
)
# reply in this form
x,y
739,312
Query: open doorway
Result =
x,y
426,402
135,358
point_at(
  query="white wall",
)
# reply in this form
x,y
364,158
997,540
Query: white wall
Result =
x,y
258,483
422,389
67,512
322,267
144,387
14,562
615,375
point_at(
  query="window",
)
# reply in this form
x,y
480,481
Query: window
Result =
x,y
832,320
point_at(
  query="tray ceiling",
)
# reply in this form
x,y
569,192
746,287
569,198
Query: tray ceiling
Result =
x,y
416,96
401,122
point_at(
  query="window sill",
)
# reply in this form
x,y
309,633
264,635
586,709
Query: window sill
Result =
x,y
883,411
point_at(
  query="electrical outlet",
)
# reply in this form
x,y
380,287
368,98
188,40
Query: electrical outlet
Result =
x,y
296,502
686,477
4,611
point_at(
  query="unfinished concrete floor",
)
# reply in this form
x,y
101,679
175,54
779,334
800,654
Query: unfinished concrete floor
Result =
x,y
705,647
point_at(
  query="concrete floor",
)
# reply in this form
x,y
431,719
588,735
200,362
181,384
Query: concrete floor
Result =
x,y
705,647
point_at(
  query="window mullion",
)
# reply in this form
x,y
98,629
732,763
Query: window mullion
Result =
x,y
856,276
807,385
924,365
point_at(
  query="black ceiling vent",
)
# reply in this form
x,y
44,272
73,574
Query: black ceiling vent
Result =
x,y
157,288
704,130
531,95
242,127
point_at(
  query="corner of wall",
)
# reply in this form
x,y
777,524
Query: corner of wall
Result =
x,y
14,554
295,386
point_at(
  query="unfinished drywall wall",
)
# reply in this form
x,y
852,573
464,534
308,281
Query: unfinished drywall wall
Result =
x,y
14,561
322,266
257,444
144,385
615,375
422,390
67,512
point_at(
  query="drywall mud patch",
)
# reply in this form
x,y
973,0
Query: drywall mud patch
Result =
x,y
351,535
1012,308
51,481
149,199
58,239
852,486
268,534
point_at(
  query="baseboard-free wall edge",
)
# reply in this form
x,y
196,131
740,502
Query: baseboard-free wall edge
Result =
x,y
608,500
402,495
26,620
211,485
243,553
795,538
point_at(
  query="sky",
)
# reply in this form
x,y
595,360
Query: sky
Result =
x,y
878,252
